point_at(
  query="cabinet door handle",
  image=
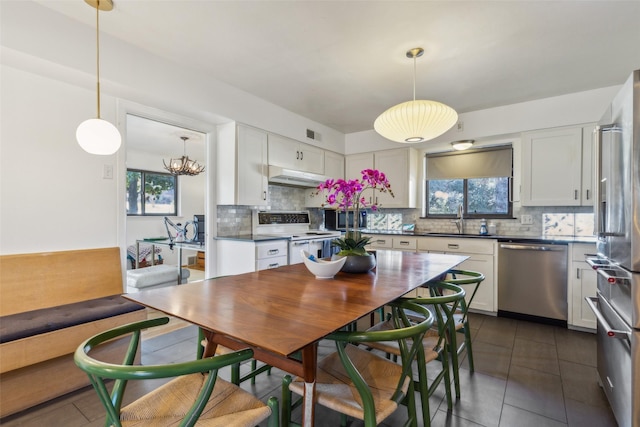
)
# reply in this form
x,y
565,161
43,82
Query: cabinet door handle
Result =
x,y
588,195
453,246
274,265
273,251
404,242
297,155
381,242
301,155
264,195
577,273
575,194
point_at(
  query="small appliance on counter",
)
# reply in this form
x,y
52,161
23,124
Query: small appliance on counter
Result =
x,y
337,219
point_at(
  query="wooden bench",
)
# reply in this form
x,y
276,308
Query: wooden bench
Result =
x,y
49,303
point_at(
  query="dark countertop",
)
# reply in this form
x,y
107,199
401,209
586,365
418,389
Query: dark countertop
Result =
x,y
500,238
251,237
514,239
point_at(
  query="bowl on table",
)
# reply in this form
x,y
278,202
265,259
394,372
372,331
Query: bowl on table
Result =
x,y
322,269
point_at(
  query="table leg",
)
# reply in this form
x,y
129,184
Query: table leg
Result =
x,y
179,265
309,367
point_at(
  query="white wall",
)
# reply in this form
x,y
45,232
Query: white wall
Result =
x,y
53,196
500,122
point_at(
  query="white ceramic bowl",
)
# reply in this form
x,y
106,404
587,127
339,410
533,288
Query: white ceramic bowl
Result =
x,y
321,268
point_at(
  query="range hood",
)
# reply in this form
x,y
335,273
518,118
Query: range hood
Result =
x,y
294,178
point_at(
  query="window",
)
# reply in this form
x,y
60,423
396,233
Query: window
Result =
x,y
151,193
478,180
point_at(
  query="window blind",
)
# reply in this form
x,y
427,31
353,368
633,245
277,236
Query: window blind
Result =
x,y
484,163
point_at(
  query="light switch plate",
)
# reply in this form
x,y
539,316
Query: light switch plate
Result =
x,y
526,219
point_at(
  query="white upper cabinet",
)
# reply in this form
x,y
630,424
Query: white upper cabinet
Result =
x,y
401,168
291,154
333,165
333,168
588,175
554,171
242,175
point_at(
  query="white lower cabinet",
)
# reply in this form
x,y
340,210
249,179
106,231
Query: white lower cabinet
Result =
x,y
481,253
245,256
582,282
380,241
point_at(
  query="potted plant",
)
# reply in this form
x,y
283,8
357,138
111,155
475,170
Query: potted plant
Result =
x,y
348,195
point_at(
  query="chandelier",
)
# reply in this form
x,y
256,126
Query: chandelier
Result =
x,y
183,165
417,120
98,136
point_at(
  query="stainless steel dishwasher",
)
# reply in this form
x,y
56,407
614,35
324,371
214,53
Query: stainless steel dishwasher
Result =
x,y
532,281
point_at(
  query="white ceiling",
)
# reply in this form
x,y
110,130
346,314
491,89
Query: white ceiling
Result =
x,y
341,63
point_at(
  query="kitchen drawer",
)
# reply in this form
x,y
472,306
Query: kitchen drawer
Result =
x,y
274,262
270,249
457,244
380,242
579,251
405,243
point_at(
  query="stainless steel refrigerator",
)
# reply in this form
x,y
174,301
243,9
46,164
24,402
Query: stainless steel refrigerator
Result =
x,y
617,216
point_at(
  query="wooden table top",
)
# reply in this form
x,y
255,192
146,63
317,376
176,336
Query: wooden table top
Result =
x,y
285,309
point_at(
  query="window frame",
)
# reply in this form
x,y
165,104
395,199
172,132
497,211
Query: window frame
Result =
x,y
143,212
467,214
503,167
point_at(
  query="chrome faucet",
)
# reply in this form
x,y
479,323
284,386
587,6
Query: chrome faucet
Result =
x,y
460,221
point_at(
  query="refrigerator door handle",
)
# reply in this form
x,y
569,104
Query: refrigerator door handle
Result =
x,y
613,333
599,228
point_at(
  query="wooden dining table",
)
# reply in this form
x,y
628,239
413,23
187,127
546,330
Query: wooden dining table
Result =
x,y
286,310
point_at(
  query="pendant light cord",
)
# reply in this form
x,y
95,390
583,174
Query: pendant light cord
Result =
x,y
98,55
414,77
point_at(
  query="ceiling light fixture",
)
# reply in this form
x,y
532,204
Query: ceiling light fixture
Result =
x,y
464,144
183,165
415,121
97,136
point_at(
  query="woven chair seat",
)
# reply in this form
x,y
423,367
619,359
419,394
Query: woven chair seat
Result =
x,y
168,404
335,390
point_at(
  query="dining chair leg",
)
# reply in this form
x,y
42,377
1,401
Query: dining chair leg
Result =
x,y
468,346
274,419
453,349
423,389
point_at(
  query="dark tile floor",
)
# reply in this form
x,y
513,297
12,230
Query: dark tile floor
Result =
x,y
527,374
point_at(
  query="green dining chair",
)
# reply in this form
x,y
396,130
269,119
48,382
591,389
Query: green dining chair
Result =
x,y
194,396
470,281
443,301
362,384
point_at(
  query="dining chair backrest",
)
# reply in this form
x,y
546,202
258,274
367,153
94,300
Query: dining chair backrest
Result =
x,y
101,372
409,336
465,278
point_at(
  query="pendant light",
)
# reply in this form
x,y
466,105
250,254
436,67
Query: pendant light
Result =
x,y
97,136
417,120
183,165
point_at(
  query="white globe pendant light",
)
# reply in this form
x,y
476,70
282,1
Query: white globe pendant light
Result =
x,y
417,120
97,136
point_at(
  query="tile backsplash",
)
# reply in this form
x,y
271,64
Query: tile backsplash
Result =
x,y
549,221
